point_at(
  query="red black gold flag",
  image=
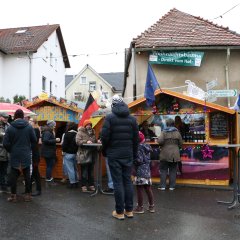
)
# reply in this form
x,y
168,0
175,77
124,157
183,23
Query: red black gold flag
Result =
x,y
90,108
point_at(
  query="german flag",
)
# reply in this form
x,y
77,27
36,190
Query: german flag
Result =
x,y
90,108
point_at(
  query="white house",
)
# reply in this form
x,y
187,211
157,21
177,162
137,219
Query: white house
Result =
x,y
32,60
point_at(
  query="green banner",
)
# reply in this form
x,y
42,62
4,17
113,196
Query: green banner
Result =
x,y
181,58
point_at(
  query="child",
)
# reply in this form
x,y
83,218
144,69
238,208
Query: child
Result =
x,y
143,176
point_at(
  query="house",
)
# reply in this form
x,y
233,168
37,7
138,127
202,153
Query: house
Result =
x,y
102,85
32,60
183,47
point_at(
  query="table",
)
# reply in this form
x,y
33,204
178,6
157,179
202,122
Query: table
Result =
x,y
236,183
98,169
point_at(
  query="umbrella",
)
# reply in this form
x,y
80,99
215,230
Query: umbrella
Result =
x,y
11,108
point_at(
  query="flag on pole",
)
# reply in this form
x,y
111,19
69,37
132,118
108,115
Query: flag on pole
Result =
x,y
236,106
90,108
151,86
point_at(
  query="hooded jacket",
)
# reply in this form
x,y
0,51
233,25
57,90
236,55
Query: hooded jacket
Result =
x,y
170,141
3,151
17,141
119,135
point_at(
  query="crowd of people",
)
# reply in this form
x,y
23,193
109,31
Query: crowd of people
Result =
x,y
124,146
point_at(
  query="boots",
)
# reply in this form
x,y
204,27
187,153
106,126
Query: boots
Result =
x,y
12,198
27,197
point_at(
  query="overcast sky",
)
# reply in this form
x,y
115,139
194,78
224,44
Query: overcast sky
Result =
x,y
95,28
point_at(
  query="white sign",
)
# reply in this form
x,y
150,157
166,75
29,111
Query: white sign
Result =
x,y
194,91
211,84
211,98
223,93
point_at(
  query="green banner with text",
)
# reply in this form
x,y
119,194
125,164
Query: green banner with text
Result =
x,y
181,58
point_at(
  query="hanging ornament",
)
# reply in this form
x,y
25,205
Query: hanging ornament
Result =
x,y
175,105
207,152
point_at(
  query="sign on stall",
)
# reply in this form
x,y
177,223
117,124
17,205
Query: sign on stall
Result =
x,y
212,84
223,93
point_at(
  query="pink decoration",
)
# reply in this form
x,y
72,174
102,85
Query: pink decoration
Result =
x,y
207,152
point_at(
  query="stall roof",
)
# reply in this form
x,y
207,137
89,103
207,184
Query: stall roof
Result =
x,y
40,102
184,97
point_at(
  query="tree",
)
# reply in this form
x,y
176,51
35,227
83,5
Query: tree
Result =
x,y
19,98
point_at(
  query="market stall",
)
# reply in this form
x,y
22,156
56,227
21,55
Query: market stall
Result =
x,y
208,125
49,108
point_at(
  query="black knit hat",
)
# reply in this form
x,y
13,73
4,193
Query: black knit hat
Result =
x,y
18,114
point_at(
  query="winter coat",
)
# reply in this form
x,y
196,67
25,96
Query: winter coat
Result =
x,y
170,141
48,149
35,148
3,151
143,160
18,140
69,142
82,137
120,135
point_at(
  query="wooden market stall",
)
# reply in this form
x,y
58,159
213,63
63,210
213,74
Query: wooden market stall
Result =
x,y
49,108
208,124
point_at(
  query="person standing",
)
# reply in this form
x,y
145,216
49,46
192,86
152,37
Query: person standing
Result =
x,y
3,152
120,145
86,134
69,147
170,142
18,140
143,180
48,150
36,159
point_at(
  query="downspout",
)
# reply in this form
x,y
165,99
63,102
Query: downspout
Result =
x,y
227,74
134,74
30,76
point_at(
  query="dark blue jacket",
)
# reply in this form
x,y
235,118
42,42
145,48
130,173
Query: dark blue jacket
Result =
x,y
18,140
120,135
48,149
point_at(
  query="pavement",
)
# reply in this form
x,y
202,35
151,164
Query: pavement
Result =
x,y
187,213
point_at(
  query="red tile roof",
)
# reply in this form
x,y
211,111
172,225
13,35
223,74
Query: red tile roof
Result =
x,y
179,29
12,42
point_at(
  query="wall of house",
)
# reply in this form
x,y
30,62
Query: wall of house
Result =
x,y
76,86
169,76
16,71
52,68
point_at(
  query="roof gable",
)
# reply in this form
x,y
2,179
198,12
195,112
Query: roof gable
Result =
x,y
179,29
114,79
29,39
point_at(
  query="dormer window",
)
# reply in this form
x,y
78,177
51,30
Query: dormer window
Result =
x,y
21,31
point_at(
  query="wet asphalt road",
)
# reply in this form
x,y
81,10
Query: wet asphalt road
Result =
x,y
61,213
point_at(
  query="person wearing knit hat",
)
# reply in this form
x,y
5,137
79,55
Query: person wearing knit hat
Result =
x,y
87,122
51,123
17,141
120,141
48,150
142,179
86,157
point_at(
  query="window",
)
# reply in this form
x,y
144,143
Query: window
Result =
x,y
78,96
51,59
92,86
44,83
50,87
105,96
83,80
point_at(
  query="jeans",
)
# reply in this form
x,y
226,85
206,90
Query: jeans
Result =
x,y
123,188
164,166
3,173
109,176
87,174
14,174
70,167
50,164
